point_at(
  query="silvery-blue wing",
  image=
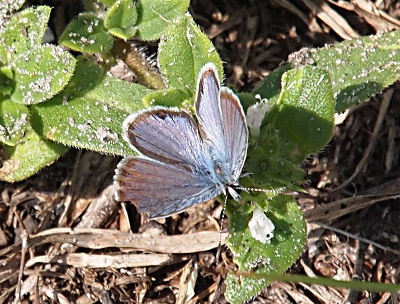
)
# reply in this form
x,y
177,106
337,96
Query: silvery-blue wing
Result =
x,y
222,124
167,135
174,172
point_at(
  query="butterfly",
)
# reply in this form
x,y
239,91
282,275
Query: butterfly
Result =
x,y
181,161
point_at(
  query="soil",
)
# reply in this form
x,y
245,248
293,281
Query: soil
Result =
x,y
351,201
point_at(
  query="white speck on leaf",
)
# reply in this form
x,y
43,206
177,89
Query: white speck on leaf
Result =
x,y
71,121
105,135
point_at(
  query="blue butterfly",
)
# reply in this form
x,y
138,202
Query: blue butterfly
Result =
x,y
183,162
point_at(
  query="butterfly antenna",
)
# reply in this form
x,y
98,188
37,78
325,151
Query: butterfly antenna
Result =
x,y
269,192
220,230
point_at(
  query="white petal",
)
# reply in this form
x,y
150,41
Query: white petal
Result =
x,y
255,115
261,227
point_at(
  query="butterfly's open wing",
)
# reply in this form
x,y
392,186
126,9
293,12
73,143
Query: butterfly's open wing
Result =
x,y
222,122
207,108
168,136
236,133
161,189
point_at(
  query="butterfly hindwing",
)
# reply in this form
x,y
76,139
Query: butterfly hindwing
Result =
x,y
161,189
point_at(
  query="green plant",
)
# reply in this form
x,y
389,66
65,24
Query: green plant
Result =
x,y
51,100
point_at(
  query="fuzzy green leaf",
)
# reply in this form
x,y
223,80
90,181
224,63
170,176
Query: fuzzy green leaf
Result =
x,y
24,31
303,114
121,18
31,154
41,73
122,33
6,80
109,3
14,119
167,97
7,7
359,68
154,16
272,168
271,86
90,112
252,255
87,34
183,51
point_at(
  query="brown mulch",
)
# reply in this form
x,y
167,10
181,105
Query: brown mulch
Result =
x,y
63,239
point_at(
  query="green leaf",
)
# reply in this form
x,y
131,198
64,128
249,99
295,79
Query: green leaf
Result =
x,y
6,80
303,114
14,119
361,67
254,256
183,51
121,18
109,3
41,73
270,170
31,154
24,31
7,7
90,119
122,33
87,34
167,97
156,15
87,76
270,87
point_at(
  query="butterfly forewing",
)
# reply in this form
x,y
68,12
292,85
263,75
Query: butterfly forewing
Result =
x,y
208,109
160,134
235,131
222,122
